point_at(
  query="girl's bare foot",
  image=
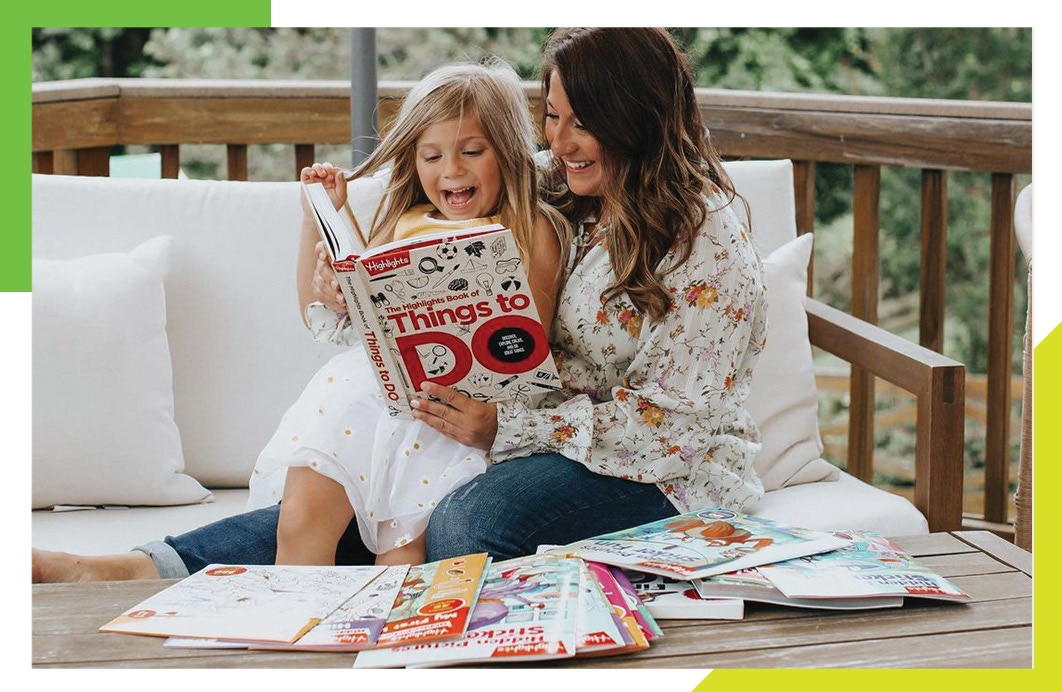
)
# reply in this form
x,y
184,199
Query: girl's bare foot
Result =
x,y
53,567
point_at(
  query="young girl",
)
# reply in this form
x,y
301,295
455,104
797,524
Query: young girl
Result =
x,y
460,152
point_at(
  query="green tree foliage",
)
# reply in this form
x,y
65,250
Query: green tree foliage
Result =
x,y
73,53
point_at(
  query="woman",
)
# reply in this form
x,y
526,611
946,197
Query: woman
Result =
x,y
657,328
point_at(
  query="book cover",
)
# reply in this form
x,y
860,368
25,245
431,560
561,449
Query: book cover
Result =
x,y
637,636
703,543
527,610
435,601
247,603
870,566
598,629
356,624
645,619
454,308
667,598
750,585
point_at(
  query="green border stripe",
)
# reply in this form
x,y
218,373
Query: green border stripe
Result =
x,y
15,250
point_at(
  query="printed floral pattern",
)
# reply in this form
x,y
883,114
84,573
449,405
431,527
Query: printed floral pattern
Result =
x,y
657,402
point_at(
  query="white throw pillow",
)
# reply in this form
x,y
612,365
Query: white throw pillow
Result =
x,y
783,399
103,427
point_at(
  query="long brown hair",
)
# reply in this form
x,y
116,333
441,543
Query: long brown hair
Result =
x,y
492,93
633,90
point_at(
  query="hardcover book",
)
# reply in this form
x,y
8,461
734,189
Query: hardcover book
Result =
x,y
454,308
703,543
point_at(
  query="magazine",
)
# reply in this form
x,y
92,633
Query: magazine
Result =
x,y
454,308
869,567
356,624
638,637
750,585
667,598
703,543
435,601
599,630
641,614
246,603
527,610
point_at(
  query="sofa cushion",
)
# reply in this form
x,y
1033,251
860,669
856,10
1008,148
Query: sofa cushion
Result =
x,y
848,505
783,398
103,426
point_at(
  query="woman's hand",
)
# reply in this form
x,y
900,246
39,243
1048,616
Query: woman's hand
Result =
x,y
459,417
325,285
333,179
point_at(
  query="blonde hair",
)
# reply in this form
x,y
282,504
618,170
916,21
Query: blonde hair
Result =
x,y
491,92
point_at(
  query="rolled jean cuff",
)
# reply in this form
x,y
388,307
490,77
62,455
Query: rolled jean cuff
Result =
x,y
168,563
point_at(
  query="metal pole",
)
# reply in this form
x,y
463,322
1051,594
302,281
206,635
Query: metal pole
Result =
x,y
364,129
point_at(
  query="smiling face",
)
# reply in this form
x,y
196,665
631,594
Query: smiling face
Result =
x,y
572,143
458,169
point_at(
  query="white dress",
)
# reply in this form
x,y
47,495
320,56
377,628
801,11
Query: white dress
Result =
x,y
394,470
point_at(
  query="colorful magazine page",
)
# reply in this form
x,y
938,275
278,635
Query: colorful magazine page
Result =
x,y
645,619
868,567
751,585
356,624
247,603
703,543
598,629
668,598
638,638
527,610
435,601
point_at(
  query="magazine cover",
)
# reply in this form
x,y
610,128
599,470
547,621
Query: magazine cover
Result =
x,y
356,624
435,601
750,585
598,629
667,598
453,307
703,543
869,566
247,603
457,309
527,610
638,637
645,619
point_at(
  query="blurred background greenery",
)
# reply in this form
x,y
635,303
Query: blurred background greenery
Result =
x,y
990,64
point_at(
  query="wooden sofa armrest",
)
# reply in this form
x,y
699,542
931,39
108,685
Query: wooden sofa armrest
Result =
x,y
938,384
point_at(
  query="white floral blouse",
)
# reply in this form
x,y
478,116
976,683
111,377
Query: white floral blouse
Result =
x,y
657,402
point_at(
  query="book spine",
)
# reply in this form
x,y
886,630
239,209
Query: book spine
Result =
x,y
393,384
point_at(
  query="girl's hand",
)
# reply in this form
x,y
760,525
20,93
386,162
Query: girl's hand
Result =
x,y
333,179
459,417
325,285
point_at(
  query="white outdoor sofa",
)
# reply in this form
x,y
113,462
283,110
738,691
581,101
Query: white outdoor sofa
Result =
x,y
157,454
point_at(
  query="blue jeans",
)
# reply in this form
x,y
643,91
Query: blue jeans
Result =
x,y
508,511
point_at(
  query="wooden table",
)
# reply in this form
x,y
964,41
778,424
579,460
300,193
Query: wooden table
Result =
x,y
995,631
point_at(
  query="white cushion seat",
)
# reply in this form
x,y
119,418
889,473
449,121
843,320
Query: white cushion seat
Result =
x,y
241,356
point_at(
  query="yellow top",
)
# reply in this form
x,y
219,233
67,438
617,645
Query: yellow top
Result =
x,y
419,221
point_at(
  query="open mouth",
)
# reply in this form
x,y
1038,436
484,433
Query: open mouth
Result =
x,y
459,198
577,166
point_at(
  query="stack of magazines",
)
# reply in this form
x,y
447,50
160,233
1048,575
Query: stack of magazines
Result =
x,y
597,597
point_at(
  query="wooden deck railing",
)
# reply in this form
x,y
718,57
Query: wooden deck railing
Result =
x,y
75,124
